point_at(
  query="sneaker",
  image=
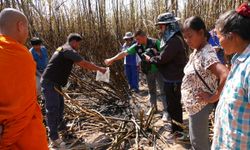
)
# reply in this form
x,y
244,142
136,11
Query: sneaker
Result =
x,y
170,138
181,136
177,137
57,143
168,127
165,117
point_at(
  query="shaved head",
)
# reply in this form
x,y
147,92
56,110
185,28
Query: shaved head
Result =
x,y
14,23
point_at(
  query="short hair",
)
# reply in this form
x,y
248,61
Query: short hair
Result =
x,y
10,15
231,21
35,41
196,23
74,36
140,32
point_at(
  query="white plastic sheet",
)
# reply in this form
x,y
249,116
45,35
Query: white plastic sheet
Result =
x,y
103,76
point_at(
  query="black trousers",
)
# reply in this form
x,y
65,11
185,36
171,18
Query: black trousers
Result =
x,y
54,104
174,107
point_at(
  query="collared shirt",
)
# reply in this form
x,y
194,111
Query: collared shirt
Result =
x,y
132,59
133,50
192,85
41,60
232,118
60,64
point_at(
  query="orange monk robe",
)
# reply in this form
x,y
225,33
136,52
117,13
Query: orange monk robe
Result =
x,y
20,114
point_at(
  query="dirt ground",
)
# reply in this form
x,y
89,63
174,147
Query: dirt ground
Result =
x,y
140,102
162,127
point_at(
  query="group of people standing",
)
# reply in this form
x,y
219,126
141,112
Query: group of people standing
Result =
x,y
198,80
204,78
162,61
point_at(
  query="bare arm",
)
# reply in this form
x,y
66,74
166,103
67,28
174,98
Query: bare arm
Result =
x,y
119,56
221,72
90,66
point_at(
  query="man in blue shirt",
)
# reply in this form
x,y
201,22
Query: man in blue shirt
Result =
x,y
131,62
40,56
39,53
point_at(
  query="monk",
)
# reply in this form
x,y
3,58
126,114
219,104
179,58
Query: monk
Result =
x,y
21,125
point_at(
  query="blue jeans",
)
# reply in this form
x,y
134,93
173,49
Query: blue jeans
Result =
x,y
54,104
198,128
132,76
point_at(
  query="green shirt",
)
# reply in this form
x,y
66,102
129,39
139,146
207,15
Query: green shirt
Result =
x,y
132,50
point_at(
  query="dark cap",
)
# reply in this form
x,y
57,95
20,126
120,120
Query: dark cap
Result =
x,y
74,36
35,41
166,18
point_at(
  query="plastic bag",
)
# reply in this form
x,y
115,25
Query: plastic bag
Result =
x,y
103,77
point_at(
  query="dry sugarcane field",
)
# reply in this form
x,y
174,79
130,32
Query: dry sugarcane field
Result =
x,y
109,115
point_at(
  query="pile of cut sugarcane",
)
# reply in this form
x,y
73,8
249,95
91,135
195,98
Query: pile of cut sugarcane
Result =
x,y
120,132
111,115
94,107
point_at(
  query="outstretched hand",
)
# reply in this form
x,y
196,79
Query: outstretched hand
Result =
x,y
108,62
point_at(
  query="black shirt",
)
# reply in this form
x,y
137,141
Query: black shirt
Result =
x,y
172,59
60,65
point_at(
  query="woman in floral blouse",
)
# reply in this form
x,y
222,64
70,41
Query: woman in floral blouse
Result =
x,y
200,88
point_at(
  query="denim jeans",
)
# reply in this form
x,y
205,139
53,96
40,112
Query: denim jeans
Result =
x,y
132,76
54,104
152,78
198,128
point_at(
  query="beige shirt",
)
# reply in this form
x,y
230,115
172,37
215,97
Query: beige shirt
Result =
x,y
191,83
